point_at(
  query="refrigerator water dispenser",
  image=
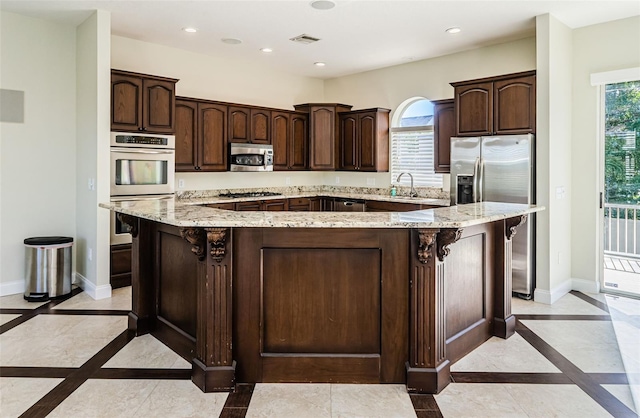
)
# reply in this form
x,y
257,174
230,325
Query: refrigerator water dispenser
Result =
x,y
465,190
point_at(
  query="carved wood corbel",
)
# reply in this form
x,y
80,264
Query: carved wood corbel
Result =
x,y
447,237
195,237
217,237
426,237
512,225
130,221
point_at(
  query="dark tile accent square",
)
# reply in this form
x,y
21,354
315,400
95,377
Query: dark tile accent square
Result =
x,y
233,413
429,414
424,402
240,397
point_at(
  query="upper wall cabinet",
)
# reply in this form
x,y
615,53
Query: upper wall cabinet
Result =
x,y
364,140
201,135
142,103
444,127
249,125
324,134
289,135
496,106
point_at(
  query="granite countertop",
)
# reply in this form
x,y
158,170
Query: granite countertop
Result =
x,y
189,213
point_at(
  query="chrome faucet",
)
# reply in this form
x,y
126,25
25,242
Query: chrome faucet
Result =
x,y
413,192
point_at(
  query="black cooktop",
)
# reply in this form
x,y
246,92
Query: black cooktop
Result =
x,y
249,194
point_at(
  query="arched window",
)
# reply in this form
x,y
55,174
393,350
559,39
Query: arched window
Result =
x,y
412,143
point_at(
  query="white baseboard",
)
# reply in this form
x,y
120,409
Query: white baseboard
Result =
x,y
12,288
96,292
550,297
582,285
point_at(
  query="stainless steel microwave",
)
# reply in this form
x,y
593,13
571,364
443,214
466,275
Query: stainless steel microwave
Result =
x,y
250,157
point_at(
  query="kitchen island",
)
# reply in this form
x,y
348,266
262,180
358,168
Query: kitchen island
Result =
x,y
321,296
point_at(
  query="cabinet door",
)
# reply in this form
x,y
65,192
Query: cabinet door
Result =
x,y
260,126
212,137
253,205
349,142
126,103
368,139
120,265
444,128
474,109
186,135
239,129
280,140
322,138
515,106
275,205
158,106
298,143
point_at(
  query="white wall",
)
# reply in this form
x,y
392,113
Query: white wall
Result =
x,y
207,77
553,152
389,87
37,157
92,149
598,48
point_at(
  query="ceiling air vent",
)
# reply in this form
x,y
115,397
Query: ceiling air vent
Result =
x,y
305,39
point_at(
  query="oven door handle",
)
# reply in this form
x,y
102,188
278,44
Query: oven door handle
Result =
x,y
142,151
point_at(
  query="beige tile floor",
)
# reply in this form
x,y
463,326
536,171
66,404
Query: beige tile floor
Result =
x,y
70,340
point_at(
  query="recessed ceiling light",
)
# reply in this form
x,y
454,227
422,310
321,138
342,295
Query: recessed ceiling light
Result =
x,y
267,50
231,41
190,30
323,4
454,29
319,64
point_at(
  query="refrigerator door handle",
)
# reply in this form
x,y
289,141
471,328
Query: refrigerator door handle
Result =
x,y
475,180
481,180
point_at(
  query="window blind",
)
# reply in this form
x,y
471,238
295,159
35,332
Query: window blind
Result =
x,y
412,151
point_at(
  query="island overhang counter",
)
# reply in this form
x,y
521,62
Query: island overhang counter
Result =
x,y
321,296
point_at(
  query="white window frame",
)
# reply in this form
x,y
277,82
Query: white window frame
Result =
x,y
423,176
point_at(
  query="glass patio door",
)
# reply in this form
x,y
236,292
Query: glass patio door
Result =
x,y
621,198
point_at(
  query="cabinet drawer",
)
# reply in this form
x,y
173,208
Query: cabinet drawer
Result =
x,y
120,259
225,206
299,201
382,206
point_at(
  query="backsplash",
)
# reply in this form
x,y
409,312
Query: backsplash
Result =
x,y
424,192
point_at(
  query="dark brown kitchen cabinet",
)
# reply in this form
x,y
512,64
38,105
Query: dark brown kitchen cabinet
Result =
x,y
260,126
249,125
514,107
385,206
444,127
268,205
201,136
495,105
224,206
239,124
324,134
364,140
142,103
299,204
120,266
290,140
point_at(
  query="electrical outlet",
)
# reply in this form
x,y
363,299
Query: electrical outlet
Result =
x,y
180,183
287,180
371,181
90,254
559,258
91,183
337,180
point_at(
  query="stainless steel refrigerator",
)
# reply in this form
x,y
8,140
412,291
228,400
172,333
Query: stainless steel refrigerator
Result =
x,y
499,169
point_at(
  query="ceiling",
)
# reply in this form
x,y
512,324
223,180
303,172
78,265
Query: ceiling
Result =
x,y
355,36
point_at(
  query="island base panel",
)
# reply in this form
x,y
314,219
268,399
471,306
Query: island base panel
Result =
x,y
329,369
213,379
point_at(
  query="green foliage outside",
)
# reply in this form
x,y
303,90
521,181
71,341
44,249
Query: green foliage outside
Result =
x,y
622,143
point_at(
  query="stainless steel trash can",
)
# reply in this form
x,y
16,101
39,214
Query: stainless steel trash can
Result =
x,y
48,267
